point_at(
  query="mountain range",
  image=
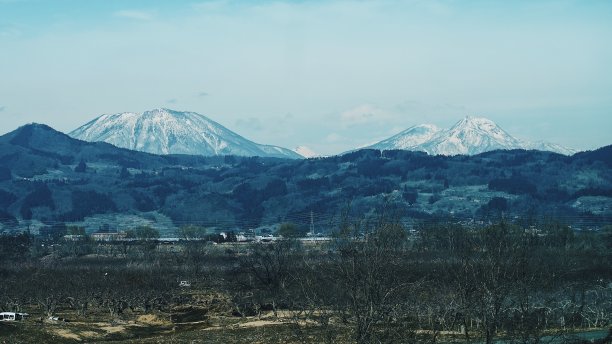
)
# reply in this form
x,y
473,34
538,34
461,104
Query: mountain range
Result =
x,y
164,131
469,136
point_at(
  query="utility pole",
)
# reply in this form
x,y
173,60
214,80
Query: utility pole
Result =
x,y
312,233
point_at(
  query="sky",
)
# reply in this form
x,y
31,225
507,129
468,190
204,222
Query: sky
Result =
x,y
328,75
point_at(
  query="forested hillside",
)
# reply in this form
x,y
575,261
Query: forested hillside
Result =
x,y
48,178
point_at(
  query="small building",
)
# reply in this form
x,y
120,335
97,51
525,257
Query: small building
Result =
x,y
12,316
245,237
74,237
104,235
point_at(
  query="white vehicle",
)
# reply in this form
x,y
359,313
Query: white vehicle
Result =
x,y
12,316
184,284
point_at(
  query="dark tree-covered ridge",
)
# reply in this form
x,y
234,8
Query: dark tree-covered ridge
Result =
x,y
53,178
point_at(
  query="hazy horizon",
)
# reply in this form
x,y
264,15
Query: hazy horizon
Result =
x,y
328,75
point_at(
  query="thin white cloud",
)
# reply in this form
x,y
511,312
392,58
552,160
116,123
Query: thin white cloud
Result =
x,y
135,14
250,123
334,137
9,31
362,114
209,6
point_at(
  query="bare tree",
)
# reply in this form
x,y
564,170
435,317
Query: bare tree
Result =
x,y
269,269
372,281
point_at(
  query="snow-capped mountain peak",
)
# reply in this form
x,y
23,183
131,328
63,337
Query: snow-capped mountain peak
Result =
x,y
471,135
471,127
165,131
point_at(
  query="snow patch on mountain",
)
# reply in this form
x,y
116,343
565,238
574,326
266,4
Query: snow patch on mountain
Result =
x,y
164,131
409,138
551,147
305,152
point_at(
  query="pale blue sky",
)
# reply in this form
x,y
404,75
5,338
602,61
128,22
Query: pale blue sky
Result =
x,y
330,75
